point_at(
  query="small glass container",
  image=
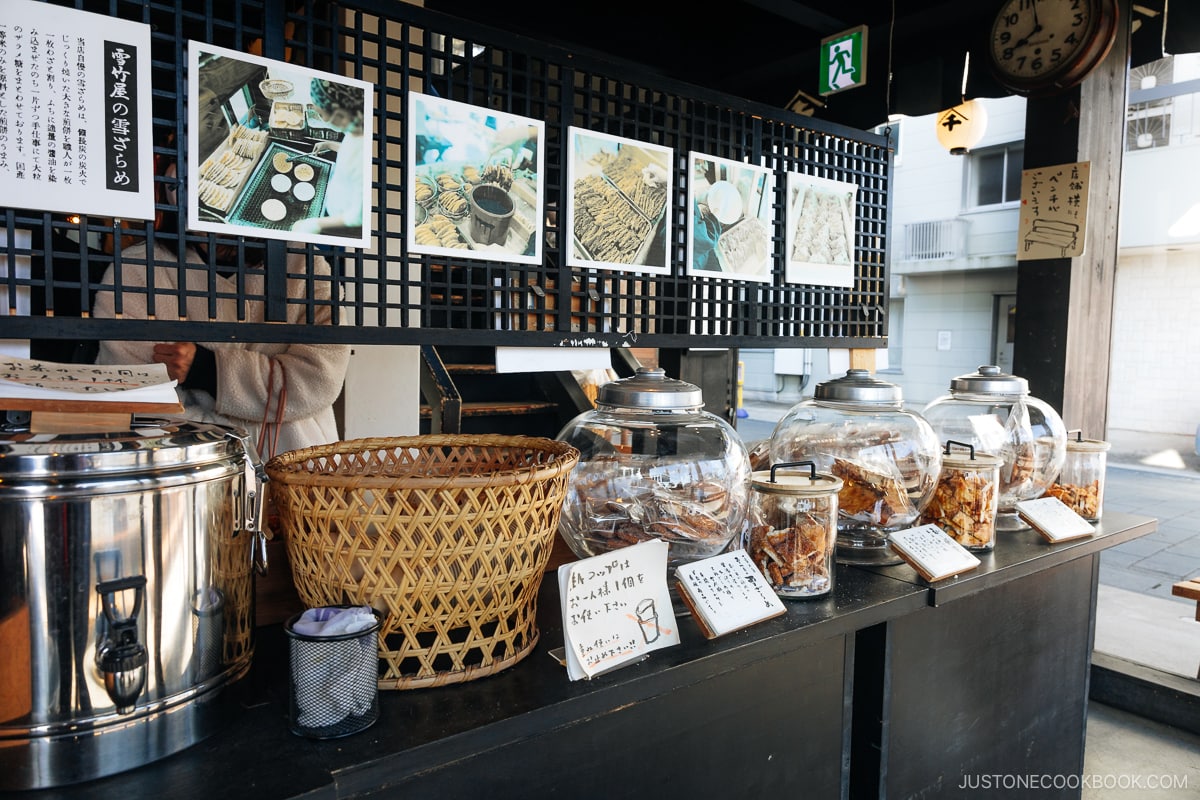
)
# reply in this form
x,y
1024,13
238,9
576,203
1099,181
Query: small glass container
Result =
x,y
856,429
1080,484
793,529
964,502
654,464
994,412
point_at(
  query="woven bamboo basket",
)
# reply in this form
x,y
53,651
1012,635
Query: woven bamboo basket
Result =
x,y
446,535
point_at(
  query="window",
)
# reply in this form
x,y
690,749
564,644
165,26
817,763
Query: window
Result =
x,y
994,175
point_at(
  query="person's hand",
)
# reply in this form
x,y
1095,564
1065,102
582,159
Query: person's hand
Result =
x,y
311,225
654,176
178,357
507,144
321,146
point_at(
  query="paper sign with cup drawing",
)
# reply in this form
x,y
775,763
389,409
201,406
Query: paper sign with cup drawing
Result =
x,y
474,187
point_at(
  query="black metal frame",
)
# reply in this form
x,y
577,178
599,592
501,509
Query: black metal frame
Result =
x,y
405,298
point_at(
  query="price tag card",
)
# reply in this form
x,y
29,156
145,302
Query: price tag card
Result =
x,y
727,593
1054,519
616,608
932,552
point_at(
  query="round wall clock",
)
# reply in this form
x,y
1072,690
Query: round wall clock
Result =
x,y
1040,47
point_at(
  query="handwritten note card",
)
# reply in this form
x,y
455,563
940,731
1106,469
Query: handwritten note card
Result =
x,y
616,608
34,378
1054,519
1053,216
932,552
726,593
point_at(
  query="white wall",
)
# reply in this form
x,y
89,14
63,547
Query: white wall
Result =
x,y
961,305
928,180
1158,187
1155,371
382,395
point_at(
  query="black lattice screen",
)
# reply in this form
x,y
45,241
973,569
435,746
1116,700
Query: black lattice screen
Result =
x,y
389,295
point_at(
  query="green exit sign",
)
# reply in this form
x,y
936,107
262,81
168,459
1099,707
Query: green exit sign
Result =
x,y
844,60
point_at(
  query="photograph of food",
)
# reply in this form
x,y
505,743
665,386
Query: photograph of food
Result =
x,y
731,224
283,150
474,186
820,231
619,190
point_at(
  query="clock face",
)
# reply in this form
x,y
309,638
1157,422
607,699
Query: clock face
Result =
x,y
1036,42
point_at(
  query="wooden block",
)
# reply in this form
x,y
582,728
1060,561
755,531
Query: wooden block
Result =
x,y
1189,589
71,422
862,358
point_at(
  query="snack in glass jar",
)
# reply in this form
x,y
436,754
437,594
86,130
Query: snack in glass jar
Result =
x,y
792,531
797,557
1080,483
871,495
964,506
1083,500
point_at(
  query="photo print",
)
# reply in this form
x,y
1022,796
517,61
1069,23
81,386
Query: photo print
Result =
x,y
820,231
730,224
280,151
475,183
618,196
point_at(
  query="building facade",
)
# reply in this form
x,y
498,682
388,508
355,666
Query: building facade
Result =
x,y
954,266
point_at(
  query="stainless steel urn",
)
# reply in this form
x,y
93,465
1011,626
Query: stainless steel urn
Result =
x,y
126,594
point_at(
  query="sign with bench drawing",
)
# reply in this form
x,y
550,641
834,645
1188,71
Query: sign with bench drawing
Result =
x,y
1053,211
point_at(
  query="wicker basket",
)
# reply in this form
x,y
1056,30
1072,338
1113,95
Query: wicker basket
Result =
x,y
447,535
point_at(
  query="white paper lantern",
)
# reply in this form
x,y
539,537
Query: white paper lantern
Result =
x,y
960,128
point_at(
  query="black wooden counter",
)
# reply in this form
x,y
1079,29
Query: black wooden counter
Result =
x,y
761,710
992,679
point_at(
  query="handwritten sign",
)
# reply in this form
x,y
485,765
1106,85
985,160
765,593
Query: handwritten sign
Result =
x,y
1054,519
1053,217
45,378
726,593
616,608
932,552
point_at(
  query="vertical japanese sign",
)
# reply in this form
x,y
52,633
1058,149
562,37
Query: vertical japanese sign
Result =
x,y
75,127
1053,217
843,61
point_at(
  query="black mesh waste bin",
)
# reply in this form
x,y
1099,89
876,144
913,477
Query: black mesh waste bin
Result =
x,y
334,686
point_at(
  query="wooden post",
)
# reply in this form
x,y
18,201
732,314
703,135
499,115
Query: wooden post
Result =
x,y
1064,305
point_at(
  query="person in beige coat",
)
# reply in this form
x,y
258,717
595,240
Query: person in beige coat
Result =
x,y
234,383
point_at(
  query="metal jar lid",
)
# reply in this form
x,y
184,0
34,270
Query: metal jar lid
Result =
x,y
150,446
990,380
808,483
858,386
650,389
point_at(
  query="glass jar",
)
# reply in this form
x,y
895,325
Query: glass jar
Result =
x,y
964,501
856,429
1080,483
994,412
792,532
654,464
